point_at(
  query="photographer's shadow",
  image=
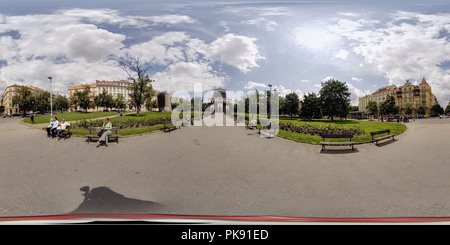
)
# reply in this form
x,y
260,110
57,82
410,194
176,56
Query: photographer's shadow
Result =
x,y
102,200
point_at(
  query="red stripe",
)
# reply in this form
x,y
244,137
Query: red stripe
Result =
x,y
169,217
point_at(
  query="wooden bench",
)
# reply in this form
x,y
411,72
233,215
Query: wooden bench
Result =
x,y
93,134
388,131
66,133
268,132
337,136
169,126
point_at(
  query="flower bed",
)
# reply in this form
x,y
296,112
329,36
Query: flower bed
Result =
x,y
122,124
311,129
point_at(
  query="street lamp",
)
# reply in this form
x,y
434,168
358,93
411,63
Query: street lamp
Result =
x,y
270,86
51,100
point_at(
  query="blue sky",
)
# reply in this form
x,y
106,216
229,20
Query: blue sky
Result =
x,y
237,45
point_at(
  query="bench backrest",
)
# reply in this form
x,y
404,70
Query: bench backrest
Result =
x,y
324,136
98,129
380,132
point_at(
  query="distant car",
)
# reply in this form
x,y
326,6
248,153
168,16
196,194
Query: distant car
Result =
x,y
443,116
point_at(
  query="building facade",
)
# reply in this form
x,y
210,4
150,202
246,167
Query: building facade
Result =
x,y
111,87
10,92
408,95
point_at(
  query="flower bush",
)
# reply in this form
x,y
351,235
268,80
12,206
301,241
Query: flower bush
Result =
x,y
122,124
312,129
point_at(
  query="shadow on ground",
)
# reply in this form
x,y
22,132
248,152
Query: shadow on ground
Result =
x,y
102,200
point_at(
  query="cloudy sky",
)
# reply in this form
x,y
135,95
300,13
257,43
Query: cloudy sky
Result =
x,y
237,45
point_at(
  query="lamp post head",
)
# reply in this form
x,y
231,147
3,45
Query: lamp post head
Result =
x,y
50,78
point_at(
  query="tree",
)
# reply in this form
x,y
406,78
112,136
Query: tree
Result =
x,y
436,110
408,110
24,99
119,102
81,98
61,103
42,102
140,87
311,106
335,98
447,109
421,110
292,104
372,106
388,106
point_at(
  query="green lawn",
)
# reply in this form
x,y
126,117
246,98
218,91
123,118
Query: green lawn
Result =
x,y
71,116
366,126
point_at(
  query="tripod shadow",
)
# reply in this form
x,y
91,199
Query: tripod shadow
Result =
x,y
102,200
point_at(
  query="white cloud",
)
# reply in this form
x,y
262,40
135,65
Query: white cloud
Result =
x,y
238,51
355,93
72,46
316,38
252,85
269,25
409,45
182,76
356,79
342,54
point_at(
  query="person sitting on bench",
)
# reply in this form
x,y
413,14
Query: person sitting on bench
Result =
x,y
55,125
61,128
104,137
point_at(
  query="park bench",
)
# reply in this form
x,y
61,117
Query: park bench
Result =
x,y
169,126
267,131
66,133
382,137
93,134
333,143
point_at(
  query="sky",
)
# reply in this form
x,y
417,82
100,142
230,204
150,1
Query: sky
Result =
x,y
236,45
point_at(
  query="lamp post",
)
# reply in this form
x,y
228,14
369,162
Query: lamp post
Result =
x,y
270,86
51,99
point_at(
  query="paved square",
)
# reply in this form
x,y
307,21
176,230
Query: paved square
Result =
x,y
224,171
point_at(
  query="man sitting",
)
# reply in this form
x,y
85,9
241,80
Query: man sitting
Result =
x,y
54,127
61,128
49,127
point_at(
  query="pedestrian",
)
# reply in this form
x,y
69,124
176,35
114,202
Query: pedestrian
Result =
x,y
32,117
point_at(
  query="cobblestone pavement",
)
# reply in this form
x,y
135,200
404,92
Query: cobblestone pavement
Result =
x,y
224,171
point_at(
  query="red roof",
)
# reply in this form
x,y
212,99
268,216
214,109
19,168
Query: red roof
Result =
x,y
423,82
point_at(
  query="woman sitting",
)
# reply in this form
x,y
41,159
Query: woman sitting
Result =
x,y
107,126
61,128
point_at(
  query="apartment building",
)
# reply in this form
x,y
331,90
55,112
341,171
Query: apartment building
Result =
x,y
10,92
408,95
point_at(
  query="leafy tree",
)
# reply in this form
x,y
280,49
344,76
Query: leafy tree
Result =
x,y
119,102
388,106
372,106
408,110
42,101
24,99
421,110
447,109
61,103
81,98
335,98
436,110
311,106
140,87
292,104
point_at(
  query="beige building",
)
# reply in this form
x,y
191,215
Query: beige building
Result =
x,y
415,96
409,94
111,87
10,92
378,96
